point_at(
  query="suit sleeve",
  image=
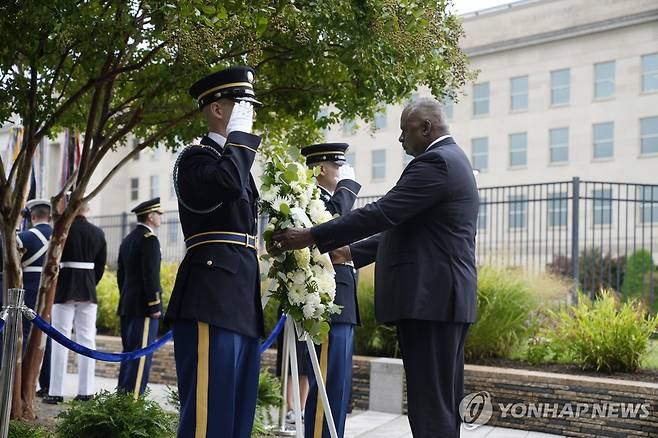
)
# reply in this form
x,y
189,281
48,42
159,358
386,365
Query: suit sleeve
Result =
x,y
344,197
100,259
422,185
365,251
203,182
151,273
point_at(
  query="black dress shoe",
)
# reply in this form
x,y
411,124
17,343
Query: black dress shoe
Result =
x,y
42,392
83,397
53,399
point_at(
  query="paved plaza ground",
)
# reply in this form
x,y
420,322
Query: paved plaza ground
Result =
x,y
360,424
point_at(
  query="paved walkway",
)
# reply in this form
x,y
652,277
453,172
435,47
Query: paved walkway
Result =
x,y
360,424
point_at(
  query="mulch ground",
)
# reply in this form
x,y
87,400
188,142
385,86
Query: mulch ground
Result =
x,y
643,375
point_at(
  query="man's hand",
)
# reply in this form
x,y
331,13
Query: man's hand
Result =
x,y
341,255
242,118
155,315
289,239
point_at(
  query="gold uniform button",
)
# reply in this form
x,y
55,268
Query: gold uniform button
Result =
x,y
209,263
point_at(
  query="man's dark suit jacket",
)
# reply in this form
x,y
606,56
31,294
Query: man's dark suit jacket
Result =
x,y
425,253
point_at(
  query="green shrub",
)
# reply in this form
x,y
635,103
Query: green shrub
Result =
x,y
602,335
371,338
107,292
116,415
18,429
638,269
596,270
504,303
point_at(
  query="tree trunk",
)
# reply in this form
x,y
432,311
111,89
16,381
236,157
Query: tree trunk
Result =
x,y
12,278
37,342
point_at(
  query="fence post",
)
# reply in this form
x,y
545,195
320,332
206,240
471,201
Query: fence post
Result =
x,y
575,228
15,317
124,224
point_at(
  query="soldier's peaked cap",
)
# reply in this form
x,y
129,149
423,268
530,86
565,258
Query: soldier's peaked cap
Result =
x,y
37,203
235,83
148,207
318,153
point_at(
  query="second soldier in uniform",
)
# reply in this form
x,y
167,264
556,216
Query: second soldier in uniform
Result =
x,y
338,190
140,302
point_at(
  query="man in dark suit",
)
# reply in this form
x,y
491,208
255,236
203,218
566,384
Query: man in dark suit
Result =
x,y
338,190
215,307
81,268
425,273
140,301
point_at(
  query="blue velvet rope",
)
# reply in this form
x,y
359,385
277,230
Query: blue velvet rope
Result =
x,y
2,324
270,339
98,355
122,357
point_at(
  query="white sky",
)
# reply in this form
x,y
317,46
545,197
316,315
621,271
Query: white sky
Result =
x,y
464,6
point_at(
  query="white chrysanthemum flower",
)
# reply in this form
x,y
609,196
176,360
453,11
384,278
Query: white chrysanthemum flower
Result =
x,y
299,277
280,200
297,294
303,257
301,171
270,194
297,188
316,209
311,305
302,200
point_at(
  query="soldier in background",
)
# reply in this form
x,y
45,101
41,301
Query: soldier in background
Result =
x,y
140,301
82,267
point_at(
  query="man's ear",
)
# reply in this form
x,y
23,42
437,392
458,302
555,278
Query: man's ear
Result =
x,y
427,127
322,170
216,110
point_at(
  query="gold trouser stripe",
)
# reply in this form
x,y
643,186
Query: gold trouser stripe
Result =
x,y
203,359
142,360
154,303
319,410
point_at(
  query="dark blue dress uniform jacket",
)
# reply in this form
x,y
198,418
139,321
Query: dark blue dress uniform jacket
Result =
x,y
138,274
85,243
339,204
219,283
425,253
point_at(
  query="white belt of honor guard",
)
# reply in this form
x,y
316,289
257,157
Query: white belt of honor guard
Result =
x,y
77,265
32,269
222,237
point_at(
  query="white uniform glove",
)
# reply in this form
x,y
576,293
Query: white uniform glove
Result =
x,y
345,172
242,118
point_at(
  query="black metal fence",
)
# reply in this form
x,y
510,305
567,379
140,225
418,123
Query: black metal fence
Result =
x,y
601,234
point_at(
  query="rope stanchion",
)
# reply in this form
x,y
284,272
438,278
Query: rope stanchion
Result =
x,y
270,339
88,352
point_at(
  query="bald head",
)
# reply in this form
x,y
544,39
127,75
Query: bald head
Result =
x,y
422,122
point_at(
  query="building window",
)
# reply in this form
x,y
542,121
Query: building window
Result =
x,y
649,207
380,119
379,165
351,159
449,108
518,149
135,144
603,135
518,212
602,203
560,87
482,214
480,153
156,152
134,189
155,186
558,139
650,72
172,189
604,80
519,93
406,158
557,209
649,135
481,99
349,127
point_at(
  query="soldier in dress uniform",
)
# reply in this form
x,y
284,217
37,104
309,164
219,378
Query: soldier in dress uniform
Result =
x,y
81,268
140,294
215,308
338,191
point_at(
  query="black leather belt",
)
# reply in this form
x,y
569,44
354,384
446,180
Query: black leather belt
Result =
x,y
222,237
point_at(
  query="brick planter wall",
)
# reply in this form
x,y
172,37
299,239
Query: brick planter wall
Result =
x,y
505,386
